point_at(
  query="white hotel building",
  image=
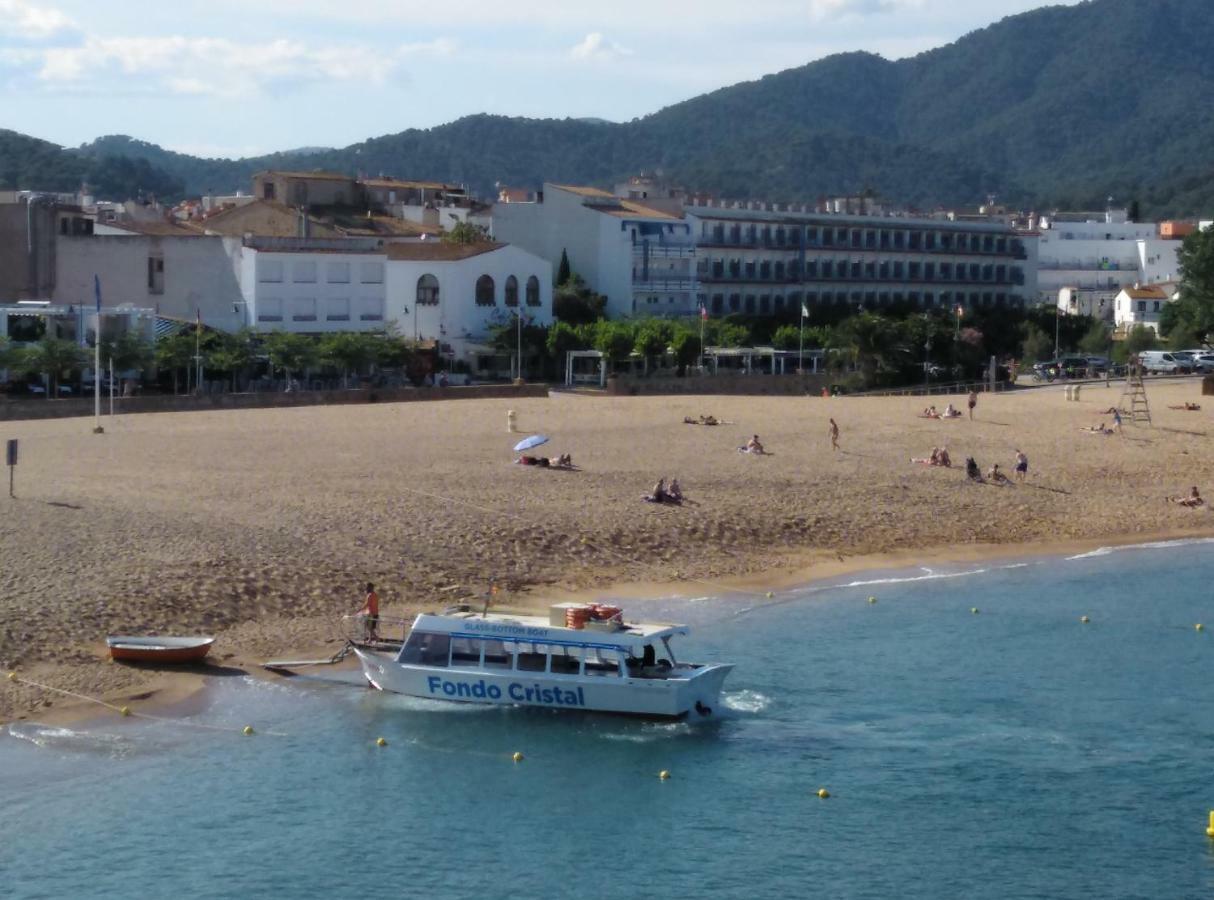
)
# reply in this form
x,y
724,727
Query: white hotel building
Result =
x,y
430,290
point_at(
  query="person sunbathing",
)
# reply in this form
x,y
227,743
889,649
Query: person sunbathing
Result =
x,y
1191,407
564,461
951,412
1192,501
709,420
688,420
933,460
1098,429
674,493
753,446
972,472
659,494
943,459
931,413
995,476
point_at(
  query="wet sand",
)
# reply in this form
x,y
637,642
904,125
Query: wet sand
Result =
x,y
261,526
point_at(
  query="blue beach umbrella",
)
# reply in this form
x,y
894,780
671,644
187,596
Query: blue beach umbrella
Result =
x,y
528,442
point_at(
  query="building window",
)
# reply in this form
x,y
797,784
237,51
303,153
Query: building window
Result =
x,y
533,291
750,303
1142,306
370,309
427,291
735,302
269,310
1155,306
718,304
485,291
511,291
337,273
269,271
303,310
765,304
337,310
371,273
303,272
155,274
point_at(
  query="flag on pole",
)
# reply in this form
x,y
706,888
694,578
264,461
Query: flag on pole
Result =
x,y
804,311
703,311
97,291
198,321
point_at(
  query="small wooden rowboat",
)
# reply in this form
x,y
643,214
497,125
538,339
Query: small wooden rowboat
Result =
x,y
158,649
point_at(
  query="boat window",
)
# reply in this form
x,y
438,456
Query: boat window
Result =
x,y
600,661
465,652
669,654
497,656
532,658
426,649
565,661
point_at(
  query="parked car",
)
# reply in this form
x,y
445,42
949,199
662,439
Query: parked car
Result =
x,y
1098,363
1204,362
1158,362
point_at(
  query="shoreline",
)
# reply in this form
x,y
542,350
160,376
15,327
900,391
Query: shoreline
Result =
x,y
164,691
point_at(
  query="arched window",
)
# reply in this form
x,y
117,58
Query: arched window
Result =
x,y
533,291
427,290
511,291
485,291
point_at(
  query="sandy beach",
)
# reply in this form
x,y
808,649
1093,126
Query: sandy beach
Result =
x,y
261,526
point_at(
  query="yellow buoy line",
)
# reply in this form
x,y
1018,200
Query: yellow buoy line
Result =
x,y
126,711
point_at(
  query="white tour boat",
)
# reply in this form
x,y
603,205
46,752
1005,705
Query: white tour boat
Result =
x,y
580,657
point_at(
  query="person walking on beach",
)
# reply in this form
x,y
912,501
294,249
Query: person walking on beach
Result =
x,y
973,401
1117,420
370,613
834,435
1022,464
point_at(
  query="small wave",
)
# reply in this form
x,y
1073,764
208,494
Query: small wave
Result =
x,y
1149,545
51,737
905,579
650,732
746,701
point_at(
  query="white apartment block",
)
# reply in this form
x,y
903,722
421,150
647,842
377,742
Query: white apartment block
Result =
x,y
641,258
758,260
1141,305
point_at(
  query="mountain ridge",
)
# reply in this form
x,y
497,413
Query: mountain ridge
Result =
x,y
1059,105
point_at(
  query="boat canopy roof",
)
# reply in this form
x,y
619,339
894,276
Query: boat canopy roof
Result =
x,y
508,626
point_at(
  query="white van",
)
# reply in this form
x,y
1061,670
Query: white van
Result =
x,y
1161,361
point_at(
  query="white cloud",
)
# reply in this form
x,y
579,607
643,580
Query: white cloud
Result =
x,y
22,20
209,66
594,47
839,9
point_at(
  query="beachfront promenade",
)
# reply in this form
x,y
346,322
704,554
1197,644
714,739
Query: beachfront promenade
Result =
x,y
260,525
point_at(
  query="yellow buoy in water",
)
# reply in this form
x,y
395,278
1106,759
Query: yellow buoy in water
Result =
x,y
823,793
381,742
1084,619
664,774
974,610
126,711
770,595
1210,828
248,729
872,599
517,757
1200,627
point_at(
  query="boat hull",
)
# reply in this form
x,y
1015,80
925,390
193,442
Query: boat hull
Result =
x,y
697,690
151,650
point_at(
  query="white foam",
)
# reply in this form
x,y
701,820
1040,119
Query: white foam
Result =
x,y
746,701
1149,545
52,737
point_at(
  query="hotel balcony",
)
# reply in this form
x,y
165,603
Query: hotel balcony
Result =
x,y
663,251
664,285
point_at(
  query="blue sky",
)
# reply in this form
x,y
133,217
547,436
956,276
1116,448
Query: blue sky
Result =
x,y
244,77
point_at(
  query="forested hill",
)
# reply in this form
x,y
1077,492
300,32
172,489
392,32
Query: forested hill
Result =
x,y
1062,106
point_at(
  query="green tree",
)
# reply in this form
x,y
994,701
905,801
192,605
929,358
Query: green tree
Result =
x,y
786,337
1036,345
51,357
686,346
290,353
1097,340
575,303
348,350
175,352
652,337
873,342
129,351
1140,338
614,340
1193,312
562,338
233,354
563,272
466,233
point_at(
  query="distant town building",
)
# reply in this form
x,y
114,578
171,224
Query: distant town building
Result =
x,y
1141,305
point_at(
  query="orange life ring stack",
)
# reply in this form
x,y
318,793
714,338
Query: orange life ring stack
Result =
x,y
577,616
602,613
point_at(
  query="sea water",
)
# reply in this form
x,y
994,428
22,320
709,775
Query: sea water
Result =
x,y
1014,752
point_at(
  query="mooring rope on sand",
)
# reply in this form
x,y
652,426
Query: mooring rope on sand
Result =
x,y
127,711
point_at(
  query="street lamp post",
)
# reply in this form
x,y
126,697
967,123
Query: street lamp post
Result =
x,y
520,344
1057,319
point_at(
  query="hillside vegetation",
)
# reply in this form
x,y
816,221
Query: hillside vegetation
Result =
x,y
1062,106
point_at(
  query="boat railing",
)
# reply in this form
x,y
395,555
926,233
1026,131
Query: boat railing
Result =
x,y
390,632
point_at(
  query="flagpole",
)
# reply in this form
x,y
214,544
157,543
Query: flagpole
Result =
x,y
97,429
801,348
703,317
